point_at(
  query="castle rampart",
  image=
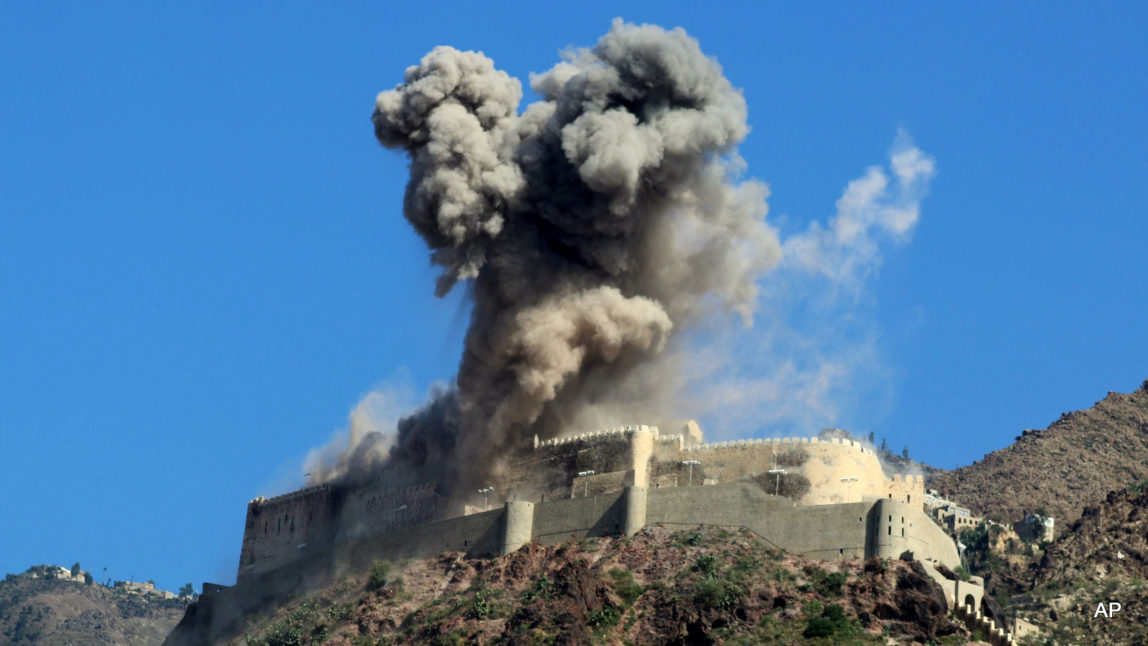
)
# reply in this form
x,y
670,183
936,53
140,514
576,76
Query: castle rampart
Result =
x,y
839,471
279,530
613,482
376,509
284,528
882,527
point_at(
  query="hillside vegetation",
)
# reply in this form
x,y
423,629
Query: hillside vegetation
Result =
x,y
691,586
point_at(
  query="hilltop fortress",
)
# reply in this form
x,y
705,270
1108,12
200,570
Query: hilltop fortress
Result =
x,y
822,498
639,466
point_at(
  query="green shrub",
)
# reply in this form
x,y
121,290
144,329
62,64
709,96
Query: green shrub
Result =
x,y
605,617
338,612
693,538
456,637
625,585
718,594
543,589
832,622
378,574
706,564
744,567
288,631
479,604
783,575
830,585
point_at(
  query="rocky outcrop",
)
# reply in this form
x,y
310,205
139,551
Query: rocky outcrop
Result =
x,y
1109,539
902,596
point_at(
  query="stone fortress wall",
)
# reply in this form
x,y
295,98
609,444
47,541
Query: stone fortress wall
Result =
x,y
376,509
839,472
279,530
612,482
878,527
285,528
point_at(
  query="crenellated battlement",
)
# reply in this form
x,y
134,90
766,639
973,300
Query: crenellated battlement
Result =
x,y
288,497
783,440
618,431
908,487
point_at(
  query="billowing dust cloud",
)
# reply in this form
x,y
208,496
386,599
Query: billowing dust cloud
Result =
x,y
592,228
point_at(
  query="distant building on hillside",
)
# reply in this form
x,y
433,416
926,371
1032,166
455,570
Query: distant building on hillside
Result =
x,y
146,588
933,499
1040,527
54,572
957,519
952,516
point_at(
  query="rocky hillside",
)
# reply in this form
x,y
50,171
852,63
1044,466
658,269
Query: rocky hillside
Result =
x,y
693,586
1101,558
1062,469
1109,539
36,609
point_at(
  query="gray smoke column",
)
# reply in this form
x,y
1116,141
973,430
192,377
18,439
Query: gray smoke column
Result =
x,y
592,227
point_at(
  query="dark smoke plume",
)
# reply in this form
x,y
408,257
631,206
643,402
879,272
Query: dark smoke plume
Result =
x,y
592,228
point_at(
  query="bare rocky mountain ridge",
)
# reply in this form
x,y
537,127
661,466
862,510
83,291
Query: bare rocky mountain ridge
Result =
x,y
1062,469
43,610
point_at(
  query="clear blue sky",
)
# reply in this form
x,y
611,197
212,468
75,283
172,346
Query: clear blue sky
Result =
x,y
203,263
